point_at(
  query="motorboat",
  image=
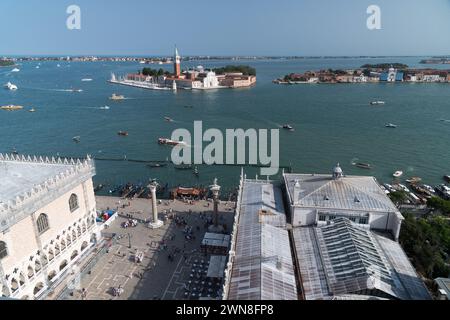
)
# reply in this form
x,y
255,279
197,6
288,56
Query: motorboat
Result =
x,y
116,97
168,119
32,110
377,103
76,90
397,174
169,142
11,86
15,70
105,108
122,133
447,178
11,107
288,127
363,165
86,79
76,139
390,125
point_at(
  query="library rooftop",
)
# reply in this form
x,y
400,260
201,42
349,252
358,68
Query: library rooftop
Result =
x,y
318,237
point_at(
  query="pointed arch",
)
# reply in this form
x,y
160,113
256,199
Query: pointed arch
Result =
x,y
42,223
73,202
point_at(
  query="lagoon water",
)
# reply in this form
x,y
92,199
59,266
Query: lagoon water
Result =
x,y
333,122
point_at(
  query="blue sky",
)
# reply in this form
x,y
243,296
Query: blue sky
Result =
x,y
231,27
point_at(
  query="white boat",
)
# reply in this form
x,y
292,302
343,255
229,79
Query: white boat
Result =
x,y
105,108
37,67
390,125
86,79
32,110
58,65
288,127
15,70
116,97
376,103
11,86
397,174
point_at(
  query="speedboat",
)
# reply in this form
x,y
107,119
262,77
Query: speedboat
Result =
x,y
15,70
447,178
116,97
10,86
104,108
11,107
32,110
86,79
390,125
76,90
169,142
122,133
376,103
397,174
168,119
76,139
288,127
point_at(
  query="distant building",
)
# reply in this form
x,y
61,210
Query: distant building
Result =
x,y
392,75
198,78
47,221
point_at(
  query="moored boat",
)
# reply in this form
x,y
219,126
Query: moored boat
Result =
x,y
397,174
414,180
447,178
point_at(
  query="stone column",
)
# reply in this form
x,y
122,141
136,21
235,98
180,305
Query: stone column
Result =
x,y
215,188
156,222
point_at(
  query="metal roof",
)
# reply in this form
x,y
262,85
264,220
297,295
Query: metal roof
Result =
x,y
262,266
216,266
359,193
341,258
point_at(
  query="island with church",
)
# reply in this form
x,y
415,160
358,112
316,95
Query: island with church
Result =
x,y
199,78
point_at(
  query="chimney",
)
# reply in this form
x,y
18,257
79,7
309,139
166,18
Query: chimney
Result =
x,y
296,191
